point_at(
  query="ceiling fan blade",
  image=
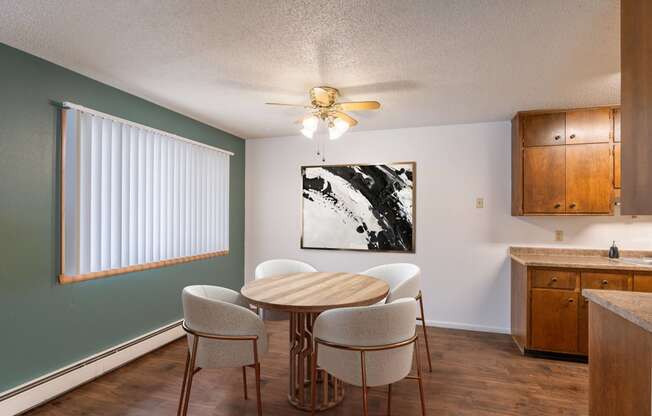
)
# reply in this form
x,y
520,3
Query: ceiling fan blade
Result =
x,y
290,105
358,105
352,122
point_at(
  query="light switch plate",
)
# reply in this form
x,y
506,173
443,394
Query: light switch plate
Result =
x,y
559,235
479,202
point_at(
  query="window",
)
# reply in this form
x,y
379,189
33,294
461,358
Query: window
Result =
x,y
136,198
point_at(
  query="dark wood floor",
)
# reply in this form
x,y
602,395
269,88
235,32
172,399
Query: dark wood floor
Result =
x,y
473,374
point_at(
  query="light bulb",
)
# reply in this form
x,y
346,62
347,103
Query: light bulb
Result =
x,y
337,128
308,133
310,123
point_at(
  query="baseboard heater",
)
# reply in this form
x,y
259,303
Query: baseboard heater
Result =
x,y
52,377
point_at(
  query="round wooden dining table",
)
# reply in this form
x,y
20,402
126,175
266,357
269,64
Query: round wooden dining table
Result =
x,y
305,296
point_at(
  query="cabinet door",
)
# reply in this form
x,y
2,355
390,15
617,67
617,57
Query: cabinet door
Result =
x,y
544,129
617,165
554,320
544,180
617,125
589,187
588,126
583,327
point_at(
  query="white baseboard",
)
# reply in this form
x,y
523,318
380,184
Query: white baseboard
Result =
x,y
38,391
469,327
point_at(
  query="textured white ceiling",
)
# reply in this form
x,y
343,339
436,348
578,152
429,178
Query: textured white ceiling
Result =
x,y
428,62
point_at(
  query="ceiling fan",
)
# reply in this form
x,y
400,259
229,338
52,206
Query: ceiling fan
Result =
x,y
323,106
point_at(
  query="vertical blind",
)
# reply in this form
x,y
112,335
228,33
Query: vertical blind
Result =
x,y
135,198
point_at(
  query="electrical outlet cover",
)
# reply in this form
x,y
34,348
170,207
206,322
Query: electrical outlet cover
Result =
x,y
559,235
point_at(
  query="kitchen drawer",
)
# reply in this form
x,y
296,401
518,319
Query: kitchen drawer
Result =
x,y
554,279
642,283
607,281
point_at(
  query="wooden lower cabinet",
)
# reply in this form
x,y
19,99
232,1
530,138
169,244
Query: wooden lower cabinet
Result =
x,y
583,326
554,320
549,313
619,366
642,283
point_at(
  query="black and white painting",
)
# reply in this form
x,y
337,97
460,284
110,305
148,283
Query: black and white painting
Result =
x,y
359,207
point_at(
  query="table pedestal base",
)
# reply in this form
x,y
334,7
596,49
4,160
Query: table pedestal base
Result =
x,y
330,390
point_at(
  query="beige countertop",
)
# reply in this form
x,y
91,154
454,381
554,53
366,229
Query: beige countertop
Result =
x,y
576,258
635,307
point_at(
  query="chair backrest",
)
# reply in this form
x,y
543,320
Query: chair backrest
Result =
x,y
281,266
220,311
368,326
404,279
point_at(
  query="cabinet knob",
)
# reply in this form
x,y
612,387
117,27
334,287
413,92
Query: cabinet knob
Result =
x,y
557,137
605,282
554,279
571,300
557,206
572,136
572,205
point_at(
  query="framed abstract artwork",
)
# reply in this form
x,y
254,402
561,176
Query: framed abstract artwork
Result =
x,y
359,207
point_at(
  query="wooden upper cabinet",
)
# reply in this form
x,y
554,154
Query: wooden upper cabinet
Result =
x,y
543,180
617,165
588,126
544,129
617,125
563,162
636,106
589,186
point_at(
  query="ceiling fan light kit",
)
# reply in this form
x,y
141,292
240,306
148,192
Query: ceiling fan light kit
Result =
x,y
336,128
324,106
308,133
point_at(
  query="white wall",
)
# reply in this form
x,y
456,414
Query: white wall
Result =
x,y
462,250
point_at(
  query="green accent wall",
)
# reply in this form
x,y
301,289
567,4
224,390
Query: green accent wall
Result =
x,y
45,325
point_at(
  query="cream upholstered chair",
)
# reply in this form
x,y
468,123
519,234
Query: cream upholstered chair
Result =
x,y
368,346
281,266
404,280
275,267
222,332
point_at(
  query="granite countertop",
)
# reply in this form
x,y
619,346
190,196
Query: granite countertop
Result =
x,y
576,258
635,307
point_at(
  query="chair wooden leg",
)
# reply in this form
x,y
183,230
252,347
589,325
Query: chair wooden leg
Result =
x,y
183,384
416,353
389,400
313,382
425,332
244,381
365,410
191,374
259,403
